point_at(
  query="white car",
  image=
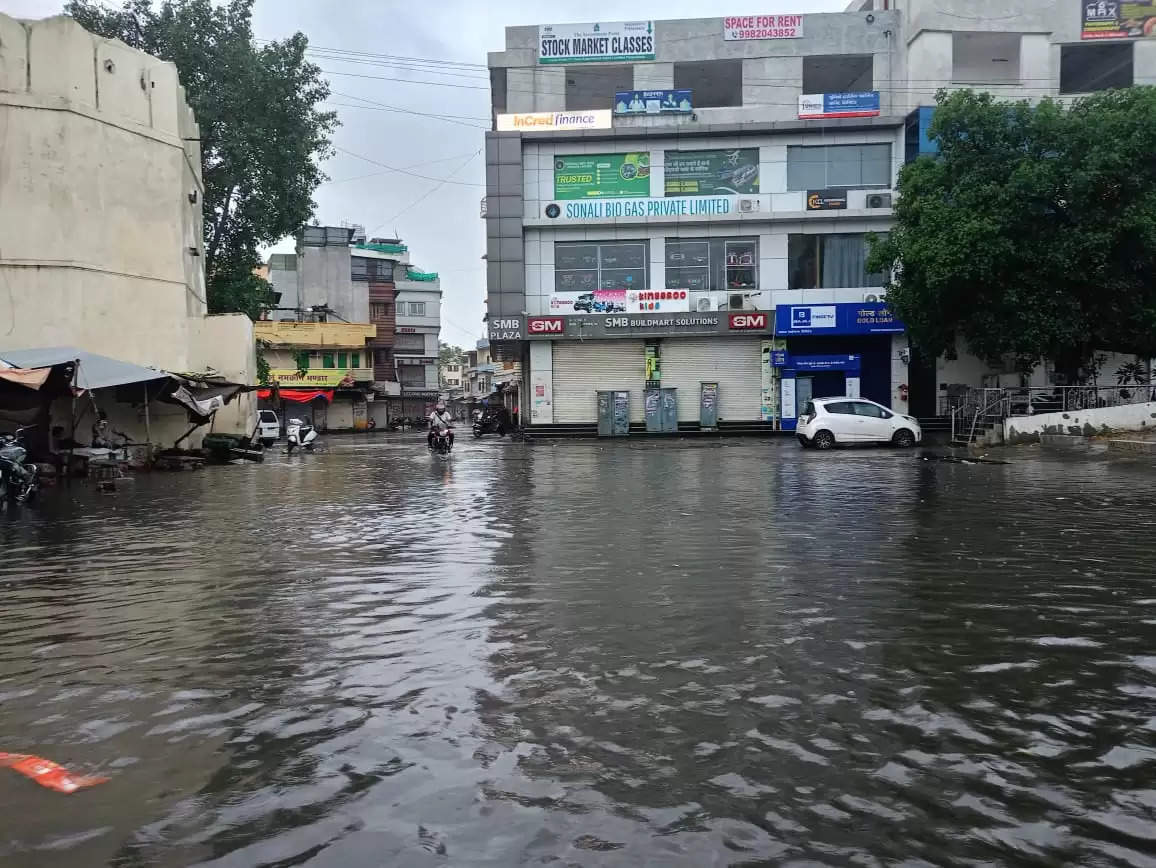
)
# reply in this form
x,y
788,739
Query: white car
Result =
x,y
269,428
825,422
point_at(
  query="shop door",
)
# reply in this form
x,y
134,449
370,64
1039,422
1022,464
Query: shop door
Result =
x,y
732,362
804,392
581,369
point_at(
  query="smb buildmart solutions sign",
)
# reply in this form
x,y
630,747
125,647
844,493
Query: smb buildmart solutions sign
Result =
x,y
591,43
574,327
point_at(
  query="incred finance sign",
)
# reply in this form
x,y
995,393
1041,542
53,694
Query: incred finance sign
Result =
x,y
748,321
546,325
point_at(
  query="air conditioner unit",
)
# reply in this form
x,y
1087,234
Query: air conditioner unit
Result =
x,y
871,297
878,200
703,305
746,206
736,301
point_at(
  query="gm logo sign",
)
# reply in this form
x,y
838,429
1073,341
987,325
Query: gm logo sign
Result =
x,y
750,321
813,317
546,325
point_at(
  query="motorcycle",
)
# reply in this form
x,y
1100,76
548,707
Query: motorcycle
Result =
x,y
299,434
489,425
19,481
441,444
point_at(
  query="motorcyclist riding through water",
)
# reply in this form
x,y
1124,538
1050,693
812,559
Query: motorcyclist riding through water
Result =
x,y
440,418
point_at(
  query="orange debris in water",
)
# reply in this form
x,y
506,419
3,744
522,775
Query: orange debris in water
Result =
x,y
47,773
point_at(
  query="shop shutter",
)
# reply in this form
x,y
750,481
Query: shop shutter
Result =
x,y
733,362
583,368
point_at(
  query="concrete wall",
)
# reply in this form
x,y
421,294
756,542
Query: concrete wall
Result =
x,y
323,277
225,343
1129,417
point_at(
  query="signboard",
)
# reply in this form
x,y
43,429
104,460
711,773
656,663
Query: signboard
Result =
x,y
737,27
618,325
652,102
653,366
750,321
317,378
644,209
778,358
836,319
506,329
1110,19
864,104
530,122
604,41
619,301
826,200
712,173
583,176
545,325
845,362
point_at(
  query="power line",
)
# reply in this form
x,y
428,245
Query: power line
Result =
x,y
415,174
427,193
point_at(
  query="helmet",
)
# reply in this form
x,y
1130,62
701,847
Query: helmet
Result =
x,y
441,406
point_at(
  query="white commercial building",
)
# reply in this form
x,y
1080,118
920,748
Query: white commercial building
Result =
x,y
684,205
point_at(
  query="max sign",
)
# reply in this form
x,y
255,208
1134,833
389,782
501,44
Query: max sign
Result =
x,y
545,325
749,321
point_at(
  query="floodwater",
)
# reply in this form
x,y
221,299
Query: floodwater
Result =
x,y
622,654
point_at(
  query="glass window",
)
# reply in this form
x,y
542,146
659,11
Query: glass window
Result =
x,y
343,360
820,167
411,375
587,266
828,262
841,408
355,360
376,310
327,360
417,308
862,408
409,343
1088,68
714,263
359,268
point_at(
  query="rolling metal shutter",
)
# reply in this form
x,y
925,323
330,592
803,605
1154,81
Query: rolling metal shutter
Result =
x,y
733,362
583,368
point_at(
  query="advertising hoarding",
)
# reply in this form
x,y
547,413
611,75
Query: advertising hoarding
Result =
x,y
530,122
863,318
863,104
316,378
602,41
619,301
1110,19
610,208
653,102
740,27
731,172
826,200
585,176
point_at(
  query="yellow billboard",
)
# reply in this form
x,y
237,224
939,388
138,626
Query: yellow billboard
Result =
x,y
314,378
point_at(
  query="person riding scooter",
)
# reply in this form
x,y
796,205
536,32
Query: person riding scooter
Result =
x,y
440,418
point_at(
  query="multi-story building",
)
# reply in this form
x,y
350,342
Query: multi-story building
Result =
x,y
419,299
679,203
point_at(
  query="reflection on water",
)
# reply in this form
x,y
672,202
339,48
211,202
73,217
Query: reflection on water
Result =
x,y
590,654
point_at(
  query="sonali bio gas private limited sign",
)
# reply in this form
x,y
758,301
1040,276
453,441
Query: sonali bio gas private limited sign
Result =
x,y
605,209
598,42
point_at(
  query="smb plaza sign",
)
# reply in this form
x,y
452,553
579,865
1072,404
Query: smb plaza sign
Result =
x,y
575,327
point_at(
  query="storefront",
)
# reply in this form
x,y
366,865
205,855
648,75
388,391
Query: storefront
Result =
x,y
416,403
833,350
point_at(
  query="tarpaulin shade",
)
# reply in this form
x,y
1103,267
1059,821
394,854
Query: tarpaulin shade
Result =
x,y
95,371
301,396
32,378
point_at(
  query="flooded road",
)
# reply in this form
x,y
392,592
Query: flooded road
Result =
x,y
617,654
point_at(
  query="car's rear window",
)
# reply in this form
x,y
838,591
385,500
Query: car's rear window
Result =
x,y
809,410
268,416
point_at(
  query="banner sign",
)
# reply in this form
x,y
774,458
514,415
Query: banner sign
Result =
x,y
712,173
839,105
849,363
866,318
316,378
826,200
652,102
1110,19
582,326
606,209
619,301
762,27
530,122
591,43
592,175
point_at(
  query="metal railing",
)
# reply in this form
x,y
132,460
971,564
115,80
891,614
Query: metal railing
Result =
x,y
973,410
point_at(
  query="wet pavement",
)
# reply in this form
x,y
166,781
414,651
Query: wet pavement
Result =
x,y
622,654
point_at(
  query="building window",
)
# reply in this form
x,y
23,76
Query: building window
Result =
x,y
376,310
417,308
327,360
712,82
828,262
409,344
1088,68
411,375
985,58
837,73
355,360
358,268
587,266
594,86
714,263
343,360
820,167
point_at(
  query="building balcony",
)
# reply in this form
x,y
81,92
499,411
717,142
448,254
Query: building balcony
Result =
x,y
314,335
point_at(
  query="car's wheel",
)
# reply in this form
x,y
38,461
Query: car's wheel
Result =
x,y
904,438
823,440
804,442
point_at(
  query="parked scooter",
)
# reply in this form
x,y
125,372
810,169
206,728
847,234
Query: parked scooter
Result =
x,y
299,434
440,443
19,480
492,424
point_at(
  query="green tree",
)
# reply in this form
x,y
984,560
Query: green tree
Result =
x,y
448,354
1033,233
262,133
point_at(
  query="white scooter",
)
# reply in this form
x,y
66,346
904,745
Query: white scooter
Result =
x,y
299,434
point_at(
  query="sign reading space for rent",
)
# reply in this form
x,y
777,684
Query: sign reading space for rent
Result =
x,y
592,43
762,27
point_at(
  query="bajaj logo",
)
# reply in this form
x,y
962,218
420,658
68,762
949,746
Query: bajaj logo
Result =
x,y
815,317
748,320
546,325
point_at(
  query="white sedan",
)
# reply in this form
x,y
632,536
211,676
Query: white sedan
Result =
x,y
827,421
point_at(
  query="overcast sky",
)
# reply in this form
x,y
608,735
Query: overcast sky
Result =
x,y
440,224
